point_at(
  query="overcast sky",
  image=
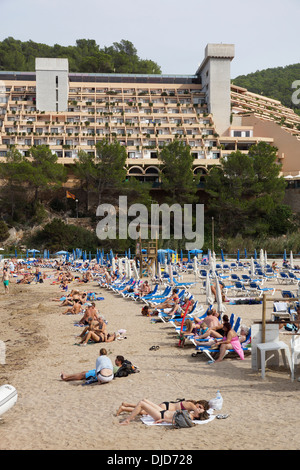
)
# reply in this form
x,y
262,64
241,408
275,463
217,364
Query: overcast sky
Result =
x,y
172,33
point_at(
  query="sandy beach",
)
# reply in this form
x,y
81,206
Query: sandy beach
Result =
x,y
52,414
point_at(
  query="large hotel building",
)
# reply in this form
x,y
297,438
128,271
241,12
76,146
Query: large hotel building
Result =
x,y
70,112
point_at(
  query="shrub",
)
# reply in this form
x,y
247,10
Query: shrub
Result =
x,y
57,235
4,233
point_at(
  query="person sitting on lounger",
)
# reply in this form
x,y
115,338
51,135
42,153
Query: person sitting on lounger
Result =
x,y
230,341
170,302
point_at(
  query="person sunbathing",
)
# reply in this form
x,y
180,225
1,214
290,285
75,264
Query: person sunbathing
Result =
x,y
180,308
90,311
170,302
189,405
74,310
96,332
160,414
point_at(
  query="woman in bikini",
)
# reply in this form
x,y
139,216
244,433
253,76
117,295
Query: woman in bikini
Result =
x,y
160,414
189,405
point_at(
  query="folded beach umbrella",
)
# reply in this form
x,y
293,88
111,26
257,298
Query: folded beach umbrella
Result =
x,y
291,260
252,269
220,306
284,255
212,264
266,258
238,255
129,253
128,268
208,292
195,265
189,258
222,256
245,253
113,264
261,257
255,254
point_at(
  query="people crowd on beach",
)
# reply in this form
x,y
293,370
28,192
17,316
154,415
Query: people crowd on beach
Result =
x,y
212,327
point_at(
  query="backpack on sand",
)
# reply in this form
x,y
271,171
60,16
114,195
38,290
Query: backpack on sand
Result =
x,y
181,419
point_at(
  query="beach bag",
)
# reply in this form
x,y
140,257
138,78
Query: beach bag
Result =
x,y
181,419
126,368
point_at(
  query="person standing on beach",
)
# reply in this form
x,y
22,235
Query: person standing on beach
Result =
x,y
6,279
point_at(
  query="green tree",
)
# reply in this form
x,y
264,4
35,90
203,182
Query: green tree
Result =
x,y
57,235
85,169
4,233
110,168
44,173
177,173
245,190
13,173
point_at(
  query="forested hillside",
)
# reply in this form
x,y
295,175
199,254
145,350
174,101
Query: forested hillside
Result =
x,y
86,56
275,83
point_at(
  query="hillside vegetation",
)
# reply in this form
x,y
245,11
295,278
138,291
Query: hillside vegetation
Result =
x,y
86,56
274,83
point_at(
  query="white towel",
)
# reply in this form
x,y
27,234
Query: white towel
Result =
x,y
150,421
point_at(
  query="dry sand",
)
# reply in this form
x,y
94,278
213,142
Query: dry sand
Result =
x,y
53,414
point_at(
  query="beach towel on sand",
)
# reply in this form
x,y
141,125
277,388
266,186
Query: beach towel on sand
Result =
x,y
149,421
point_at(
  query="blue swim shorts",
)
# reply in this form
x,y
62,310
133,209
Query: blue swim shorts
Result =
x,y
91,374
